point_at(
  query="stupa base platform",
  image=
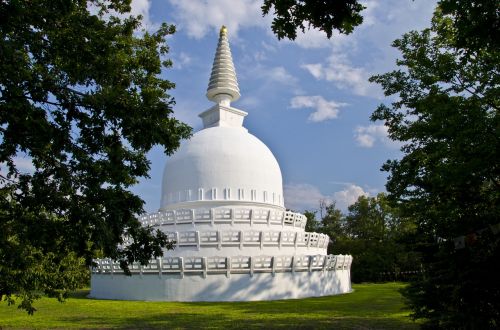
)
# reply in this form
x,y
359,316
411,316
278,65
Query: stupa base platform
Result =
x,y
219,287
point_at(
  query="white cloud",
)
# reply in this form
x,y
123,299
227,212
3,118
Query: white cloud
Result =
x,y
366,136
182,60
247,102
279,74
269,80
302,196
348,196
340,71
314,38
198,17
137,7
23,164
369,13
315,69
383,22
324,110
141,7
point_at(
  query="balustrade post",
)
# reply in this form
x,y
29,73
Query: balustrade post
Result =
x,y
251,266
198,242
296,240
261,238
293,264
204,264
212,217
311,259
177,239
193,220
251,217
241,239
273,265
159,263
219,239
228,267
181,266
280,238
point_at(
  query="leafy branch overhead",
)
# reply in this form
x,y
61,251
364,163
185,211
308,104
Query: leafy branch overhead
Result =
x,y
324,15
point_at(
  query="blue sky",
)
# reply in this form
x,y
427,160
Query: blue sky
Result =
x,y
308,100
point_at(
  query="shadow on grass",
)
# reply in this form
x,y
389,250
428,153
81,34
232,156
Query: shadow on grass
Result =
x,y
371,306
221,321
79,294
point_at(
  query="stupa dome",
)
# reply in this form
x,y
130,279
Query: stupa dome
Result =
x,y
222,163
219,165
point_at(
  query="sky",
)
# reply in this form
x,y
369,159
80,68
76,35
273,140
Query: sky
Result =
x,y
308,100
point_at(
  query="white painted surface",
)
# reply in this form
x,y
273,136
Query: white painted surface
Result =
x,y
222,202
222,164
223,85
238,287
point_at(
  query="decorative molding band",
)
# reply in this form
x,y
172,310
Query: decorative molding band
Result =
x,y
262,239
224,216
229,265
221,194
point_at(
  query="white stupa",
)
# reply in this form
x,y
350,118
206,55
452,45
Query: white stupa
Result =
x,y
222,203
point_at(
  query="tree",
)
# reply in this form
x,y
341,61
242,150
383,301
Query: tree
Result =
x,y
376,235
448,180
366,220
332,222
325,15
81,97
312,223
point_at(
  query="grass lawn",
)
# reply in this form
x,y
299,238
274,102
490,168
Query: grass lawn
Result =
x,y
370,306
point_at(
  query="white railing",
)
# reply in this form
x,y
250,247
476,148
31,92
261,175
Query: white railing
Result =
x,y
224,216
243,239
230,265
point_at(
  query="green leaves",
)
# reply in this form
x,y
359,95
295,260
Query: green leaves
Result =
x,y
448,179
374,233
325,15
82,99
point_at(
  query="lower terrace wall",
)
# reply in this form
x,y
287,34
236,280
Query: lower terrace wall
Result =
x,y
219,287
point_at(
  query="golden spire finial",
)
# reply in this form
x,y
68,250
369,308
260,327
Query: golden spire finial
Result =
x,y
223,30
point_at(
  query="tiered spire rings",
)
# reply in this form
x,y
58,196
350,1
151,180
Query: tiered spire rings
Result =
x,y
223,85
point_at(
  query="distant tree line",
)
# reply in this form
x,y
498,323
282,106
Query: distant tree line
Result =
x,y
374,233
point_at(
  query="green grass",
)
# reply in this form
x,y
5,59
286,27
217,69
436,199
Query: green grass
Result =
x,y
370,306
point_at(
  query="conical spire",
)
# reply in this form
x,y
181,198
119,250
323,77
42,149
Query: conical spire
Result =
x,y
223,85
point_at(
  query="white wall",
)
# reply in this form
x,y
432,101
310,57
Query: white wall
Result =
x,y
218,287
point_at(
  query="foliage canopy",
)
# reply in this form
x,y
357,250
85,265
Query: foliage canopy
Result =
x,y
81,97
447,114
324,15
375,234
